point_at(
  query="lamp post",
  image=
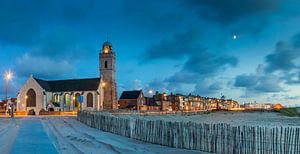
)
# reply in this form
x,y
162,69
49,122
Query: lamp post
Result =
x,y
8,76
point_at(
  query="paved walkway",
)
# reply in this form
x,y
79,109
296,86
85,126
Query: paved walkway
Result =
x,y
32,138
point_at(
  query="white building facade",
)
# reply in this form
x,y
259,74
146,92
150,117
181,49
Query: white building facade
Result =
x,y
60,95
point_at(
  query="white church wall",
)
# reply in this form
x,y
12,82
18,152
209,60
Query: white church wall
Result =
x,y
31,84
49,97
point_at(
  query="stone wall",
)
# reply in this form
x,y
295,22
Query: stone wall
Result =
x,y
216,138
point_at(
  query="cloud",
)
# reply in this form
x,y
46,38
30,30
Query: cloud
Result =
x,y
259,82
281,67
283,58
156,17
246,16
206,88
61,43
177,47
200,65
42,67
246,80
231,11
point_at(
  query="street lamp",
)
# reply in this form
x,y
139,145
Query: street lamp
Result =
x,y
8,76
150,92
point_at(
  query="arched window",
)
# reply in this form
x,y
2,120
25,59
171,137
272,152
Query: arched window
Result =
x,y
105,64
76,99
89,100
31,98
67,100
56,98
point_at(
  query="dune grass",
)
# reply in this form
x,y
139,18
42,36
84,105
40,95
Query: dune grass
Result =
x,y
290,112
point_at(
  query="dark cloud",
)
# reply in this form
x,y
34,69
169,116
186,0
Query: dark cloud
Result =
x,y
201,66
159,16
62,43
53,33
177,47
256,84
246,80
247,16
207,88
281,67
283,58
231,11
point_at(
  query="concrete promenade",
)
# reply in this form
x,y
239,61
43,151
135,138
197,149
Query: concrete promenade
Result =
x,y
32,138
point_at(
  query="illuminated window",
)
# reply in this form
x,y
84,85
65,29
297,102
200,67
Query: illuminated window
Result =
x,y
68,100
56,98
76,99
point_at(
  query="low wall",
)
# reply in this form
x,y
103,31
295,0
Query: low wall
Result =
x,y
215,138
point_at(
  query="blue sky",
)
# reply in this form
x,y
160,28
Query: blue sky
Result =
x,y
184,46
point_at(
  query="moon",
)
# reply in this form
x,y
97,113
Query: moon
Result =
x,y
234,37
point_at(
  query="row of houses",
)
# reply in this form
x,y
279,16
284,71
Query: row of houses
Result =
x,y
135,100
261,106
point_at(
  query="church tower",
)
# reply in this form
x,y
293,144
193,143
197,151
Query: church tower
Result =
x,y
107,73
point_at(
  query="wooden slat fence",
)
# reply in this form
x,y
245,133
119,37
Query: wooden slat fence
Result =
x,y
214,138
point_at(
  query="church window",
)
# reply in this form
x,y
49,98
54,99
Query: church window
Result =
x,y
89,100
105,64
76,100
68,100
56,98
31,98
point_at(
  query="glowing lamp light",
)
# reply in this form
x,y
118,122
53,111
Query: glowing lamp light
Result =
x,y
150,92
26,97
8,75
103,84
106,49
74,98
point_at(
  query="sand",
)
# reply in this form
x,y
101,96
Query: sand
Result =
x,y
268,119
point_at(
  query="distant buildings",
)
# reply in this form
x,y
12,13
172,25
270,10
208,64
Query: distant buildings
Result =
x,y
173,102
261,106
3,103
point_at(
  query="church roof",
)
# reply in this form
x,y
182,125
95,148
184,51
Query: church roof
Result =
x,y
131,94
89,84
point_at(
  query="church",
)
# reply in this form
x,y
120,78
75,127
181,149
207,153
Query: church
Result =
x,y
99,93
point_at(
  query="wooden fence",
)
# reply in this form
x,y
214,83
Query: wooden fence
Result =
x,y
214,138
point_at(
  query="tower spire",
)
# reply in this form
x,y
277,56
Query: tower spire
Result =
x,y
106,37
